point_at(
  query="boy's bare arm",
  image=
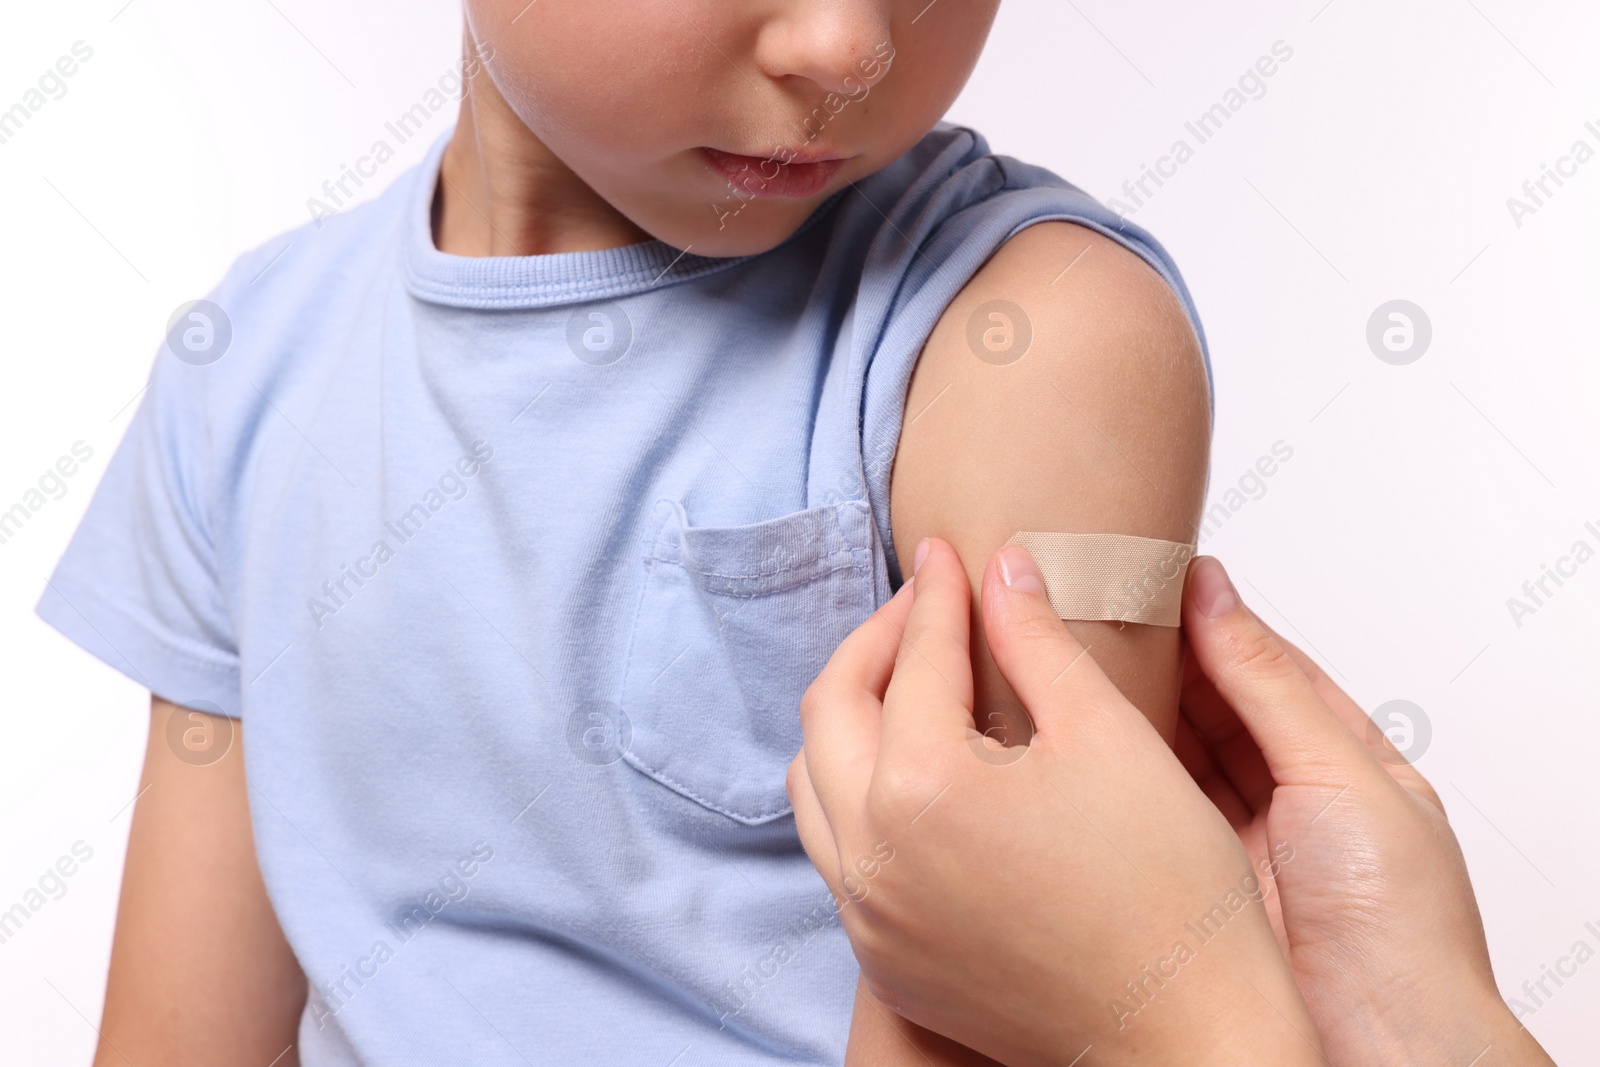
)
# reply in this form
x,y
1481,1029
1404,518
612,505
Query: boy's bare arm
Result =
x,y
200,971
1102,426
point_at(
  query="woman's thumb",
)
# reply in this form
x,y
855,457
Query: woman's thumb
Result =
x,y
1255,674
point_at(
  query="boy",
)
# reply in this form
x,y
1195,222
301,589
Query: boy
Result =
x,y
528,498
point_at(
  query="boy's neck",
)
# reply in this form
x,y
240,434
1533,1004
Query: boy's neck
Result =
x,y
501,192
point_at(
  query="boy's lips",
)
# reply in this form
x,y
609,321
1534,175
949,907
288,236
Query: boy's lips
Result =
x,y
758,176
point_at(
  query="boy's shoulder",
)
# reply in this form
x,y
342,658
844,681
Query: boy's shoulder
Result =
x,y
1067,360
1069,280
937,214
1006,224
277,326
304,269
953,170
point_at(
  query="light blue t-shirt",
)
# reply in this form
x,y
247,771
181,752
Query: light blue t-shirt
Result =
x,y
516,569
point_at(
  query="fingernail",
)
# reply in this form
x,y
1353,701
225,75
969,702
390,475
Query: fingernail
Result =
x,y
1212,591
1019,571
922,554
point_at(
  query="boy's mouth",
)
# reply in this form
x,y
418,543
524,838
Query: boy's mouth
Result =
x,y
756,176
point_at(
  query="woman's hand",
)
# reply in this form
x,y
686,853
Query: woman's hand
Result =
x,y
1373,907
1032,903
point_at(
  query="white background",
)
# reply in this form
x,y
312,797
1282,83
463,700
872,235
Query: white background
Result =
x,y
1376,166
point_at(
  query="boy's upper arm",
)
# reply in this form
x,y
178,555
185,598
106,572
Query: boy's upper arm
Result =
x,y
200,970
1102,425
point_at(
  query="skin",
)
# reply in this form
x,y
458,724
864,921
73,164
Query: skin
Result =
x,y
569,142
1388,953
1098,845
200,971
566,141
1103,426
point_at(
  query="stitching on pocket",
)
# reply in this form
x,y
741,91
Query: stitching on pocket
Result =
x,y
848,552
762,580
650,562
848,560
765,813
861,553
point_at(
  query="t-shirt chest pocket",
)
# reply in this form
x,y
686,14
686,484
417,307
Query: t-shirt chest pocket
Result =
x,y
733,623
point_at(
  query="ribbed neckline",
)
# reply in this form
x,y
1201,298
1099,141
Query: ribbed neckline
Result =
x,y
545,280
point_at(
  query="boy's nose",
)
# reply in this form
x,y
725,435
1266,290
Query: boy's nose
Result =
x,y
838,44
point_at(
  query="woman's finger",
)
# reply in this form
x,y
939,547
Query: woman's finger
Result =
x,y
929,699
1210,777
840,714
1228,744
816,835
865,659
1360,724
1051,672
1338,701
1299,736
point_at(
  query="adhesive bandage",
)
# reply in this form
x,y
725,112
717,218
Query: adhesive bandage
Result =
x,y
1110,576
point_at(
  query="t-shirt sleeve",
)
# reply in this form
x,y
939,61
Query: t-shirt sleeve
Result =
x,y
139,586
